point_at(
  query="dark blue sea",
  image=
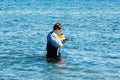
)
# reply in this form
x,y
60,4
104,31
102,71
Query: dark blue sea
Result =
x,y
91,53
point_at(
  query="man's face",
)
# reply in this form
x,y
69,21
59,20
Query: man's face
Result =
x,y
58,31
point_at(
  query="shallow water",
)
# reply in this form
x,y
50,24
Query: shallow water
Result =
x,y
93,49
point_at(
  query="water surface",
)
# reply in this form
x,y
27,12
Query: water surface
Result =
x,y
93,49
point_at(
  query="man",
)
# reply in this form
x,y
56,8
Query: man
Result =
x,y
54,43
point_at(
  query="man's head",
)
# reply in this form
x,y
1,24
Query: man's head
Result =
x,y
57,28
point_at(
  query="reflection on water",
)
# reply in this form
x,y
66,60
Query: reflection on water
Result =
x,y
91,53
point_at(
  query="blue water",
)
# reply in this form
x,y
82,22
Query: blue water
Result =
x,y
93,49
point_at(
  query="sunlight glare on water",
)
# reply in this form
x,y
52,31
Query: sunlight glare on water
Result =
x,y
93,49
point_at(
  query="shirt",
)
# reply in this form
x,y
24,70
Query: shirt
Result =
x,y
54,39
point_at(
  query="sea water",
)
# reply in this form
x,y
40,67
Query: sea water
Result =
x,y
93,49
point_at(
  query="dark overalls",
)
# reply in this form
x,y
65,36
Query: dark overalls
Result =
x,y
52,51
